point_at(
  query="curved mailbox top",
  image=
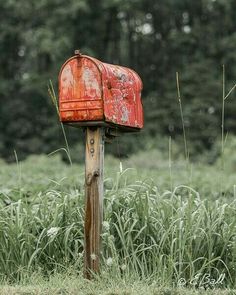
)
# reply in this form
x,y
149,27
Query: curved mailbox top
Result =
x,y
95,93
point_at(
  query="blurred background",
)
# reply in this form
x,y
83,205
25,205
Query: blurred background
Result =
x,y
157,38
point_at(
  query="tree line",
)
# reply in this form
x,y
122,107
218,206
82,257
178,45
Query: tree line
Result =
x,y
157,38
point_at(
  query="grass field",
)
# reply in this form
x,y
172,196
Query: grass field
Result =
x,y
168,225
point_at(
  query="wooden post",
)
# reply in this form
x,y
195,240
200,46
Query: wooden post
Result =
x,y
94,161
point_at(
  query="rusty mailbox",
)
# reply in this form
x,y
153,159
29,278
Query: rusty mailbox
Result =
x,y
93,93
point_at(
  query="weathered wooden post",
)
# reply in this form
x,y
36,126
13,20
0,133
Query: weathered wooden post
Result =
x,y
94,158
105,100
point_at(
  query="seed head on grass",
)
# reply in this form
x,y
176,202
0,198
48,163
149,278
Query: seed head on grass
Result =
x,y
109,261
53,231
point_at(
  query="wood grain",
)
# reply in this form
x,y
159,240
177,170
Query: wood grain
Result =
x,y
94,162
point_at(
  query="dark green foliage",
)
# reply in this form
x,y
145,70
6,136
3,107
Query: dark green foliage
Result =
x,y
156,38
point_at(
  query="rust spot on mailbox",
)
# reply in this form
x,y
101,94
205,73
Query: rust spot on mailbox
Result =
x,y
95,93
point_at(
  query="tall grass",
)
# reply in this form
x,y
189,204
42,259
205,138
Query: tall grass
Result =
x,y
182,118
54,100
224,97
166,237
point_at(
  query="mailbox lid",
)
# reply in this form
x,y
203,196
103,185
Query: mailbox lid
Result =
x,y
80,91
122,96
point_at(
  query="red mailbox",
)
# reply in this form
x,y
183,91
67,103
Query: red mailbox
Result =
x,y
93,93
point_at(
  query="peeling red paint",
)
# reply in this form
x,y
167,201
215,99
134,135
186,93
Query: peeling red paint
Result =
x,y
90,90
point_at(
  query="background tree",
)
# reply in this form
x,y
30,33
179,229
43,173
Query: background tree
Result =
x,y
155,37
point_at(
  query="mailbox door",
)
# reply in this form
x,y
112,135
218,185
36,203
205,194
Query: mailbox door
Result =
x,y
122,96
80,91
